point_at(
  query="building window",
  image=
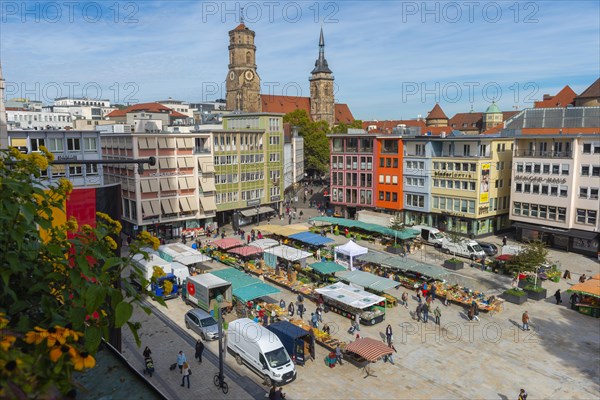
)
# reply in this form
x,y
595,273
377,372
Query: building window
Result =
x,y
562,214
467,150
395,163
544,189
518,187
565,169
543,211
583,193
55,145
536,168
90,144
563,191
36,143
546,169
594,193
380,195
387,196
381,162
555,169
519,167
553,190
552,213
535,188
581,215
585,170
591,217
528,167
527,188
587,148
596,148
73,144
596,170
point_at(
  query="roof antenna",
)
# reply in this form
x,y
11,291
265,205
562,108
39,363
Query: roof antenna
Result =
x,y
241,15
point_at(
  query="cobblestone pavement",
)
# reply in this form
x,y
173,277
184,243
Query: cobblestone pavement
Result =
x,y
490,359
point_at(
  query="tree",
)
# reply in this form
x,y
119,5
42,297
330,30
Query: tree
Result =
x,y
61,286
343,127
529,259
316,144
397,224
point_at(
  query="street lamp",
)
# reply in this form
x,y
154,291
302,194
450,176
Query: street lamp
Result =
x,y
257,215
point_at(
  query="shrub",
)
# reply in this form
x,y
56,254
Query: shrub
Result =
x,y
515,292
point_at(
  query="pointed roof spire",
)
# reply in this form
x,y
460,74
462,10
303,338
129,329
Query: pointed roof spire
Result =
x,y
437,113
241,15
321,63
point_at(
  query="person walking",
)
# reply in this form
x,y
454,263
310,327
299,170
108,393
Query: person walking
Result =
x,y
525,320
437,314
199,350
522,394
319,314
389,335
471,313
504,240
291,309
405,299
300,310
574,299
314,320
186,374
557,296
418,311
433,291
180,360
147,352
357,320
338,354
475,312
425,312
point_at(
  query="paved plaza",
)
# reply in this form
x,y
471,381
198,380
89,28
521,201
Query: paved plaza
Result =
x,y
490,359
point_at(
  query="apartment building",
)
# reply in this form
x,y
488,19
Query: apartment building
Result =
x,y
66,146
554,195
388,190
248,163
176,194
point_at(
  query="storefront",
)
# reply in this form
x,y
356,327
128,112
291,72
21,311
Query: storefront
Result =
x,y
571,240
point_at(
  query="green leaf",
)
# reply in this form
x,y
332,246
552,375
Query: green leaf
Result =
x,y
110,263
93,336
123,313
134,326
77,316
94,298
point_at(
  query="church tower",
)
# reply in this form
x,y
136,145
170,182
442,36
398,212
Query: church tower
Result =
x,y
3,118
242,81
322,101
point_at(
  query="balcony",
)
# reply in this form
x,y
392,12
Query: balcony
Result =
x,y
544,154
201,150
393,150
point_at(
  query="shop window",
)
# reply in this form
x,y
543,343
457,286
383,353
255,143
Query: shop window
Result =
x,y
534,211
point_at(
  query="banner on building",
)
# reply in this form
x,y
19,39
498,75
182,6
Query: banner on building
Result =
x,y
484,185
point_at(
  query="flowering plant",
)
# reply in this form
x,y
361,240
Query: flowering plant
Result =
x,y
61,286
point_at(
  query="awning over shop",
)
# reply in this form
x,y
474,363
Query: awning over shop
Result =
x,y
251,212
350,223
327,267
208,203
254,291
311,238
591,287
246,251
367,280
282,230
240,281
264,243
288,253
350,296
227,243
207,184
369,349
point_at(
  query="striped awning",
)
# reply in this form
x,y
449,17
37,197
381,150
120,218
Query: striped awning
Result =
x,y
369,349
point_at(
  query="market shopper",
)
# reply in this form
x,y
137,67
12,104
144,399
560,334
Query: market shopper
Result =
x,y
291,309
357,320
147,352
525,320
405,299
504,240
437,314
180,361
557,296
418,312
199,350
425,312
300,310
389,335
338,354
475,312
574,299
522,394
186,374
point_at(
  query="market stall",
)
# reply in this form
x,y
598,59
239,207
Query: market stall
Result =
x,y
349,301
246,251
345,254
322,338
183,254
276,254
311,239
264,243
227,243
371,282
589,296
282,230
402,235
245,287
369,349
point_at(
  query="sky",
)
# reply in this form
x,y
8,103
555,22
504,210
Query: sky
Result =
x,y
390,59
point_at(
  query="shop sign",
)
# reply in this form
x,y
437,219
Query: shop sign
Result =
x,y
484,210
453,174
252,203
453,214
540,179
275,198
66,157
164,174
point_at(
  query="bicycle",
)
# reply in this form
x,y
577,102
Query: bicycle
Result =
x,y
219,382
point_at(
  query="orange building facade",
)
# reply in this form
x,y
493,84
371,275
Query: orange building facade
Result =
x,y
388,151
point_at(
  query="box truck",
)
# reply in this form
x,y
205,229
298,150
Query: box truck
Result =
x,y
146,266
261,350
299,343
207,290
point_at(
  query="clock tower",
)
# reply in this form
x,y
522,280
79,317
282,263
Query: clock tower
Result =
x,y
242,81
322,100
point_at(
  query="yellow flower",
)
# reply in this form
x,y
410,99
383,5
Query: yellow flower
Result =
x,y
65,186
85,228
148,239
6,342
3,321
39,199
39,161
15,153
72,225
36,336
81,360
115,225
46,152
111,243
58,351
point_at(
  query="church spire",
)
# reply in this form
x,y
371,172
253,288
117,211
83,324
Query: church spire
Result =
x,y
321,63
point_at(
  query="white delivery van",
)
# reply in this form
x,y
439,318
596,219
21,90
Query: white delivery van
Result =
x,y
261,350
430,235
465,248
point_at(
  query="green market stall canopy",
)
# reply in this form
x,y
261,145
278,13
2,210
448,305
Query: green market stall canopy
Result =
x,y
405,234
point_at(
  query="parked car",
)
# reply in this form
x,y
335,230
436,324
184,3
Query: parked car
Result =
x,y
202,323
489,248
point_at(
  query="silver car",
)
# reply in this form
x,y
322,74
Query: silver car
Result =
x,y
202,323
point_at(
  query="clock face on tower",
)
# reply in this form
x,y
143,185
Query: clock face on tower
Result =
x,y
249,75
231,76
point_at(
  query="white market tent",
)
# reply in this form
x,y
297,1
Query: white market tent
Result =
x,y
349,250
287,253
264,243
350,296
181,253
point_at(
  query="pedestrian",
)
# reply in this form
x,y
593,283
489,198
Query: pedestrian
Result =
x,y
557,296
279,395
504,240
338,354
437,314
522,395
388,335
428,300
222,235
199,350
265,319
418,311
357,320
567,274
405,299
147,352
582,278
525,320
319,314
186,374
273,315
248,238
300,310
425,312
282,304
290,220
475,311
318,255
433,291
291,309
272,392
574,299
390,357
301,213
314,320
471,313
129,240
180,360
